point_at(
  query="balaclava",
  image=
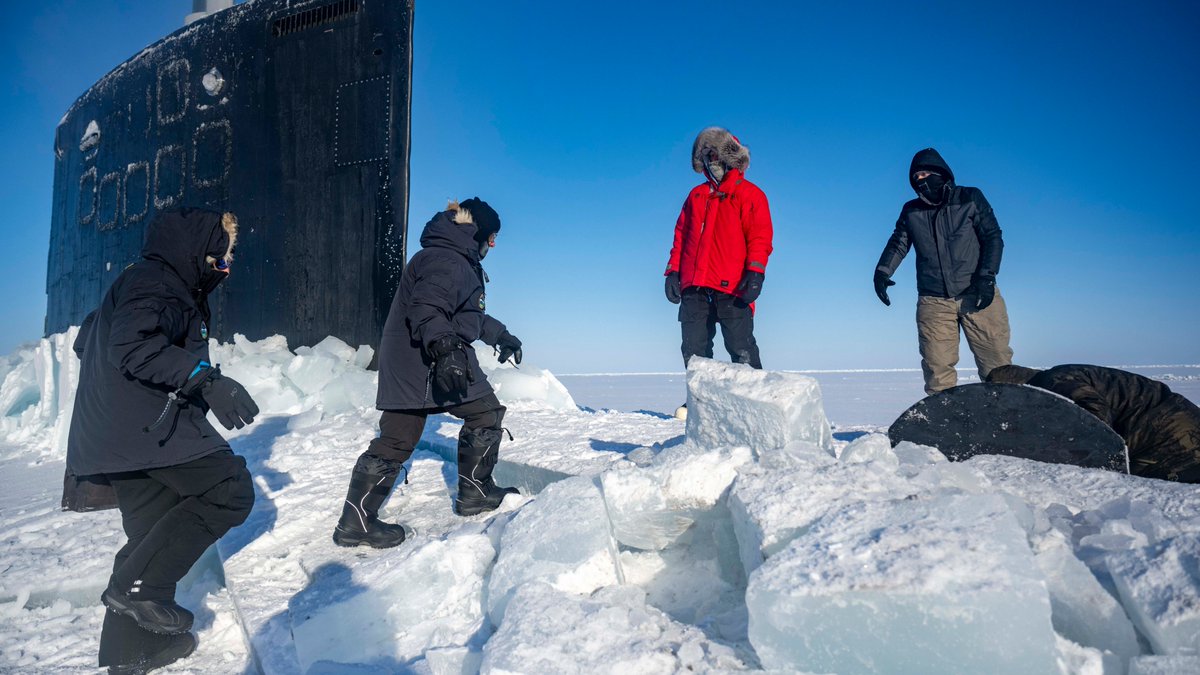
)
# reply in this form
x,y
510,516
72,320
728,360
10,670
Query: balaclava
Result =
x,y
931,189
934,189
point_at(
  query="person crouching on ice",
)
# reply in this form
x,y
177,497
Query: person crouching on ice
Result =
x,y
1160,428
427,366
145,387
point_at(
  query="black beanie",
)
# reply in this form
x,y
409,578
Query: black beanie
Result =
x,y
486,219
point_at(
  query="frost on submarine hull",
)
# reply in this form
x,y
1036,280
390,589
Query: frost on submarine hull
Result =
x,y
293,115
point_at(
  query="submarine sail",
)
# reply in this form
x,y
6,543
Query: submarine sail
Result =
x,y
293,114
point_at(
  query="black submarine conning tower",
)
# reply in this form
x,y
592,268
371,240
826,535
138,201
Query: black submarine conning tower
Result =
x,y
294,115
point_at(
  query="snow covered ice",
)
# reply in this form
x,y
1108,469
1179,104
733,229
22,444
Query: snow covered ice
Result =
x,y
1160,585
639,543
562,538
943,585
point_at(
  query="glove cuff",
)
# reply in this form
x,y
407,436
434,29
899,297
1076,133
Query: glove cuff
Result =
x,y
203,376
443,345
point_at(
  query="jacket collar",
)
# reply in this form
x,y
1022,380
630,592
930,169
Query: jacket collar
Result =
x,y
729,184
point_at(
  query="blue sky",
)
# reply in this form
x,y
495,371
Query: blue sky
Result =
x,y
575,121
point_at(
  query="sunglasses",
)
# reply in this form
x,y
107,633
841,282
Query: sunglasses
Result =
x,y
221,265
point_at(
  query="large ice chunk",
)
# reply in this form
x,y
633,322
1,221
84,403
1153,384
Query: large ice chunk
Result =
x,y
526,386
733,404
613,631
871,448
775,501
563,538
943,585
1160,588
650,507
37,393
1082,611
392,611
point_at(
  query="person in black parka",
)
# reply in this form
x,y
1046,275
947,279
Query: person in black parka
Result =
x,y
1160,428
958,246
426,366
145,386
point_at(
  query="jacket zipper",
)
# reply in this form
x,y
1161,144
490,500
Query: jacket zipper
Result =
x,y
937,246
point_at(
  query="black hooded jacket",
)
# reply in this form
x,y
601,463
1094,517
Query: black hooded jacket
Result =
x,y
1160,428
441,293
954,240
142,343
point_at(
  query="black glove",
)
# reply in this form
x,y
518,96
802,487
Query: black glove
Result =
x,y
750,286
882,281
225,397
674,294
451,370
981,293
509,346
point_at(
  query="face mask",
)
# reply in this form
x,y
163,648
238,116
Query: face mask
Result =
x,y
212,273
483,249
931,188
714,169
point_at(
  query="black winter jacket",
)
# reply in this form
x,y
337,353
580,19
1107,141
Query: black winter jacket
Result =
x,y
954,241
141,344
440,293
1160,428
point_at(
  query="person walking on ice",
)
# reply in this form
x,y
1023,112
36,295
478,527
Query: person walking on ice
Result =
x,y
427,366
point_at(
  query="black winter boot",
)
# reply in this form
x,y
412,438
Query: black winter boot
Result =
x,y
157,616
478,451
177,647
360,522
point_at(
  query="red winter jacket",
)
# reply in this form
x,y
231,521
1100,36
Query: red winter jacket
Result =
x,y
721,233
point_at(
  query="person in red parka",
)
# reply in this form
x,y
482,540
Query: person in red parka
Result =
x,y
719,258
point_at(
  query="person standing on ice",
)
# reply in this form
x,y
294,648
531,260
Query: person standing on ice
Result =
x,y
959,246
719,255
427,366
145,386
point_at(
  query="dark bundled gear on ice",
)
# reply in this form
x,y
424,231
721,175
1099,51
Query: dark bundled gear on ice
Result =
x,y
718,259
959,246
1160,428
1004,419
139,427
427,366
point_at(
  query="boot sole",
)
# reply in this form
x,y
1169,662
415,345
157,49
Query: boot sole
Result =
x,y
466,511
114,605
351,541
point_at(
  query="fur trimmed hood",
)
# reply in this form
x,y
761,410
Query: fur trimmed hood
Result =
x,y
229,223
461,215
189,239
729,149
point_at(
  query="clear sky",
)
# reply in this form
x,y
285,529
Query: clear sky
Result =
x,y
575,121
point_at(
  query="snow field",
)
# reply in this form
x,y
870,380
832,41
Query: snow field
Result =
x,y
756,541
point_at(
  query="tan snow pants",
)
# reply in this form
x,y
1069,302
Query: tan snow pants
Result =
x,y
938,321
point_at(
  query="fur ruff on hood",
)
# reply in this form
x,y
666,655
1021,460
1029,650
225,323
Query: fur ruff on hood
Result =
x,y
229,223
729,149
461,215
